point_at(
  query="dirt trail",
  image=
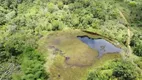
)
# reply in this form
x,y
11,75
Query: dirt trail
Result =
x,y
130,34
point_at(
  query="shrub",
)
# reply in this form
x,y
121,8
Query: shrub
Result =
x,y
136,44
97,76
132,3
31,66
51,7
60,5
138,49
115,70
125,71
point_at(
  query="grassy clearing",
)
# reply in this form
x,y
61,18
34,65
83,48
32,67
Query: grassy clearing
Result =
x,y
81,58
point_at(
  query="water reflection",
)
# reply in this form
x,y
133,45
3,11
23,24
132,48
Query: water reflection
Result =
x,y
101,45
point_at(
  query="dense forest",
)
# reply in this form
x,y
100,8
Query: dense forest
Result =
x,y
24,22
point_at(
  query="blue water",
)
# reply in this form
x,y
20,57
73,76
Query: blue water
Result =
x,y
101,45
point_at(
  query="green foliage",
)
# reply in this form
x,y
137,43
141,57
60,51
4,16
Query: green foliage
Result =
x,y
115,70
2,15
125,71
12,4
23,22
51,7
57,25
139,62
10,15
136,43
97,76
31,66
60,4
132,3
138,50
4,55
75,20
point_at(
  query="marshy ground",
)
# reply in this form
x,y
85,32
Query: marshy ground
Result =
x,y
68,57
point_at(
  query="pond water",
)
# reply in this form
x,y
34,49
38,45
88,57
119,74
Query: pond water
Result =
x,y
101,45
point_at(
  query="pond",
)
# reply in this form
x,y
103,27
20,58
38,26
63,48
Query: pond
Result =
x,y
101,45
